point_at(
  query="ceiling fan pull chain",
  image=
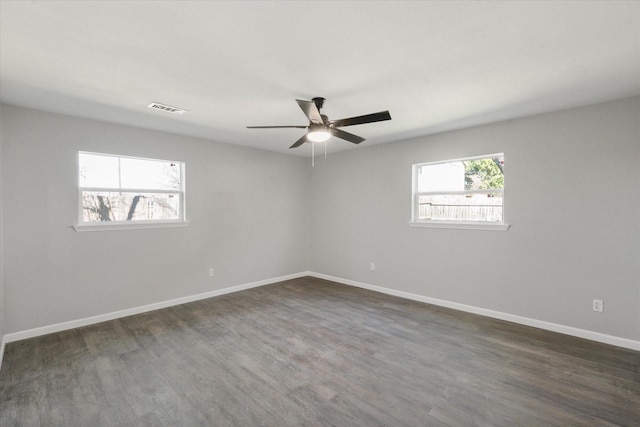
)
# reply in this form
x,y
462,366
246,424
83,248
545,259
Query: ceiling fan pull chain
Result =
x,y
325,152
313,154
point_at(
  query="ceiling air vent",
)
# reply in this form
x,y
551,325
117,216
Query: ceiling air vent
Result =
x,y
167,108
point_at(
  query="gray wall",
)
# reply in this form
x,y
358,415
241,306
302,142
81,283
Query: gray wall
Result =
x,y
571,198
248,210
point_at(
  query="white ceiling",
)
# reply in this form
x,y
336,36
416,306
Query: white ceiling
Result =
x,y
434,65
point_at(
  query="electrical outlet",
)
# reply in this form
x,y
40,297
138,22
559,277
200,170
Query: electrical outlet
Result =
x,y
598,305
212,272
372,266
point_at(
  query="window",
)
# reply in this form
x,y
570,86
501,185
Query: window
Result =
x,y
464,192
124,191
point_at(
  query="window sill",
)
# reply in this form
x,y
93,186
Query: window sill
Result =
x,y
461,225
128,226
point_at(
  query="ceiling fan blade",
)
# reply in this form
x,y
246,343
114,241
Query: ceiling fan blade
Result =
x,y
299,142
360,120
276,127
346,136
310,110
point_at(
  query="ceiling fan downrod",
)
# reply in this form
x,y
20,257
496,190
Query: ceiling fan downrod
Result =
x,y
319,101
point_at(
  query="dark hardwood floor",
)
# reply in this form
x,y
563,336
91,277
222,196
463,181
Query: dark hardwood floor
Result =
x,y
312,352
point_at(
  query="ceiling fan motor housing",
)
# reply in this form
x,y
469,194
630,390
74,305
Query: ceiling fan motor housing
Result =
x,y
318,128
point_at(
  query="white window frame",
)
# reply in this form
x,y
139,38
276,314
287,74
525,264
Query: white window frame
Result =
x,y
181,221
471,225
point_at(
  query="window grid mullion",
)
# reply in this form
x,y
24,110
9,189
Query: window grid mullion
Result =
x,y
128,190
461,192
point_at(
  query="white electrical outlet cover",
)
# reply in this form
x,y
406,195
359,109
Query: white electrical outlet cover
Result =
x,y
598,305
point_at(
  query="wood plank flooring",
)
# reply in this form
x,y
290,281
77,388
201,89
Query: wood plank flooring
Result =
x,y
308,352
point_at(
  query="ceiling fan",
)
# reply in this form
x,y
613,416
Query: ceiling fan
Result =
x,y
320,128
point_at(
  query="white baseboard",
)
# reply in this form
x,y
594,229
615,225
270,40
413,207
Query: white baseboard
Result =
x,y
2,344
554,327
58,327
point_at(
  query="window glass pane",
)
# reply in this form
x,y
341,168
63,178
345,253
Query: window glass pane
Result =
x,y
98,171
461,207
149,174
106,206
441,177
475,174
125,189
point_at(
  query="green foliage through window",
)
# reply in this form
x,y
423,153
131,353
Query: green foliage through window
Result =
x,y
484,174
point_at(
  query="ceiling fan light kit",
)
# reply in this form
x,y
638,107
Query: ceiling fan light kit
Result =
x,y
318,133
320,128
